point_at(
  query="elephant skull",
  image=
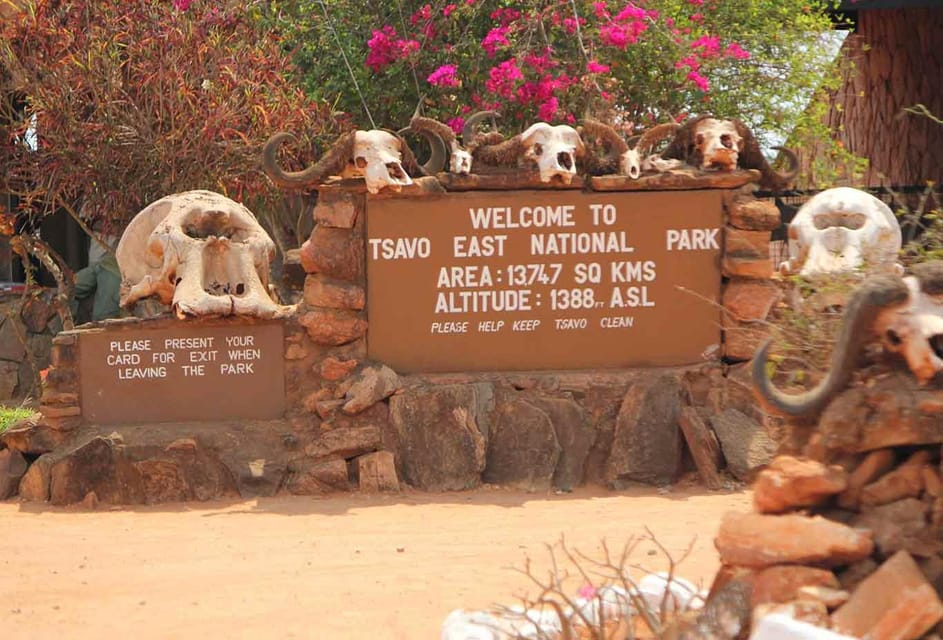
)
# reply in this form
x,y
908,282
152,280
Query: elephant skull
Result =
x,y
199,252
554,149
842,230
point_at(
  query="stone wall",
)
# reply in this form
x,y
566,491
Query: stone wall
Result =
x,y
356,424
27,325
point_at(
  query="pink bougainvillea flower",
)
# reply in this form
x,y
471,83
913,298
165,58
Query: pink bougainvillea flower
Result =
x,y
503,77
734,50
495,39
182,5
696,3
631,12
444,76
699,80
709,46
448,9
587,591
548,110
385,48
423,15
456,124
691,62
600,10
696,17
595,67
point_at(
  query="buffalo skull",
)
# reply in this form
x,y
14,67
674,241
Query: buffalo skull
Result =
x,y
554,149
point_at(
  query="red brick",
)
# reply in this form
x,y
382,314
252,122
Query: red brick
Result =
x,y
790,482
894,603
758,540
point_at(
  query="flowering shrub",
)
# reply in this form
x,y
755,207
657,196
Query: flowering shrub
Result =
x,y
634,62
137,99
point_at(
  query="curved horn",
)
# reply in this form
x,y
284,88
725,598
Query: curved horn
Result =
x,y
613,141
857,329
437,148
785,177
279,176
655,135
469,130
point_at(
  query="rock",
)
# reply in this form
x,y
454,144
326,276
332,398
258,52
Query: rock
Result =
x,y
314,477
906,481
869,469
337,210
740,267
783,626
334,369
12,337
745,443
12,469
345,442
323,291
758,540
704,448
894,603
852,575
32,437
742,339
377,472
34,486
932,481
741,244
443,434
646,444
38,310
788,483
575,435
781,583
726,613
885,414
333,327
337,253
802,609
184,471
373,383
95,465
747,300
901,525
754,215
523,448
831,598
9,377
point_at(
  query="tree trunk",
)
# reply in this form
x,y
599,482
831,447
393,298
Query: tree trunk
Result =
x,y
898,63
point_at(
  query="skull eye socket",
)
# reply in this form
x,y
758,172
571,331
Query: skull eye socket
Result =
x,y
936,343
563,158
396,171
726,140
893,337
538,149
361,162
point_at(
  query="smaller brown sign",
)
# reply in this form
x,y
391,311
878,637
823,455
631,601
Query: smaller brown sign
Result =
x,y
183,372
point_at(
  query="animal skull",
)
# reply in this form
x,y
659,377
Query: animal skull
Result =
x,y
460,160
841,230
630,164
915,331
378,159
719,144
554,149
200,252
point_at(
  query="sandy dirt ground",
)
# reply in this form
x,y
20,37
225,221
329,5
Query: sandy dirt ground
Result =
x,y
346,567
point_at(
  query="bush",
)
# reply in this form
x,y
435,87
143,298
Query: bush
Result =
x,y
555,60
137,99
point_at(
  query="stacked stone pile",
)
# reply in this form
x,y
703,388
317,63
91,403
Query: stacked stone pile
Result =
x,y
848,537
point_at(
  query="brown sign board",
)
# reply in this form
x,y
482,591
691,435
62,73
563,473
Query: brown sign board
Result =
x,y
524,280
183,372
